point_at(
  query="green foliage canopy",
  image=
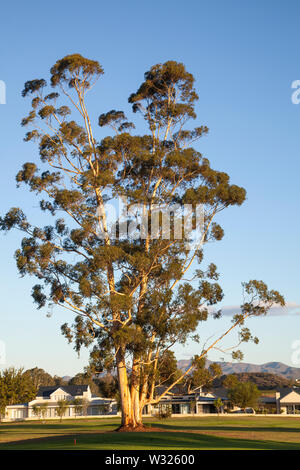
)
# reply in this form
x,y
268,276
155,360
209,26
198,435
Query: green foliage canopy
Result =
x,y
244,394
15,387
130,295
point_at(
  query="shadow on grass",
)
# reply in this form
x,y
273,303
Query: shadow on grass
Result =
x,y
34,425
227,428
147,441
110,424
216,427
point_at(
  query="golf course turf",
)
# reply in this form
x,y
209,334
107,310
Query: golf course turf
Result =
x,y
212,432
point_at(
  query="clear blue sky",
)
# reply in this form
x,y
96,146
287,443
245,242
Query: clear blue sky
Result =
x,y
244,56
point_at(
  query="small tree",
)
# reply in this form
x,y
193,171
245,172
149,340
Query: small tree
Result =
x,y
77,402
193,405
244,394
44,409
61,408
40,410
36,409
164,411
84,403
218,405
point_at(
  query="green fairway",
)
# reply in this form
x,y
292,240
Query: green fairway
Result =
x,y
247,432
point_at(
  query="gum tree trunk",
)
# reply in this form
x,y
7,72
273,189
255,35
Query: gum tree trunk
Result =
x,y
129,396
125,398
135,394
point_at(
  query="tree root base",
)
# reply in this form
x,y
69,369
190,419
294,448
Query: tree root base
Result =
x,y
138,428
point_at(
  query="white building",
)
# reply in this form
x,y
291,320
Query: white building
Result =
x,y
48,398
288,401
182,404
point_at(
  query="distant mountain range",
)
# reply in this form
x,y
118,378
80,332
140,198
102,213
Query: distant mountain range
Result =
x,y
277,368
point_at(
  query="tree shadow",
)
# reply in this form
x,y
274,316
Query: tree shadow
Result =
x,y
147,441
216,427
36,425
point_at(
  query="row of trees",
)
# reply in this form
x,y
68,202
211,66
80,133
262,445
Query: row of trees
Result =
x,y
19,386
15,387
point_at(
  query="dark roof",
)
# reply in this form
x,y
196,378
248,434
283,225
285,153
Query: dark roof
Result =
x,y
181,390
285,391
264,399
206,399
73,390
220,392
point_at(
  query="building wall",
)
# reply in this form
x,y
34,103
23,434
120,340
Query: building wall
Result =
x,y
290,404
14,413
205,408
96,406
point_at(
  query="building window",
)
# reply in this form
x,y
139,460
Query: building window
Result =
x,y
176,408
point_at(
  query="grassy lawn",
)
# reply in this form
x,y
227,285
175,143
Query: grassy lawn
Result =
x,y
212,432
